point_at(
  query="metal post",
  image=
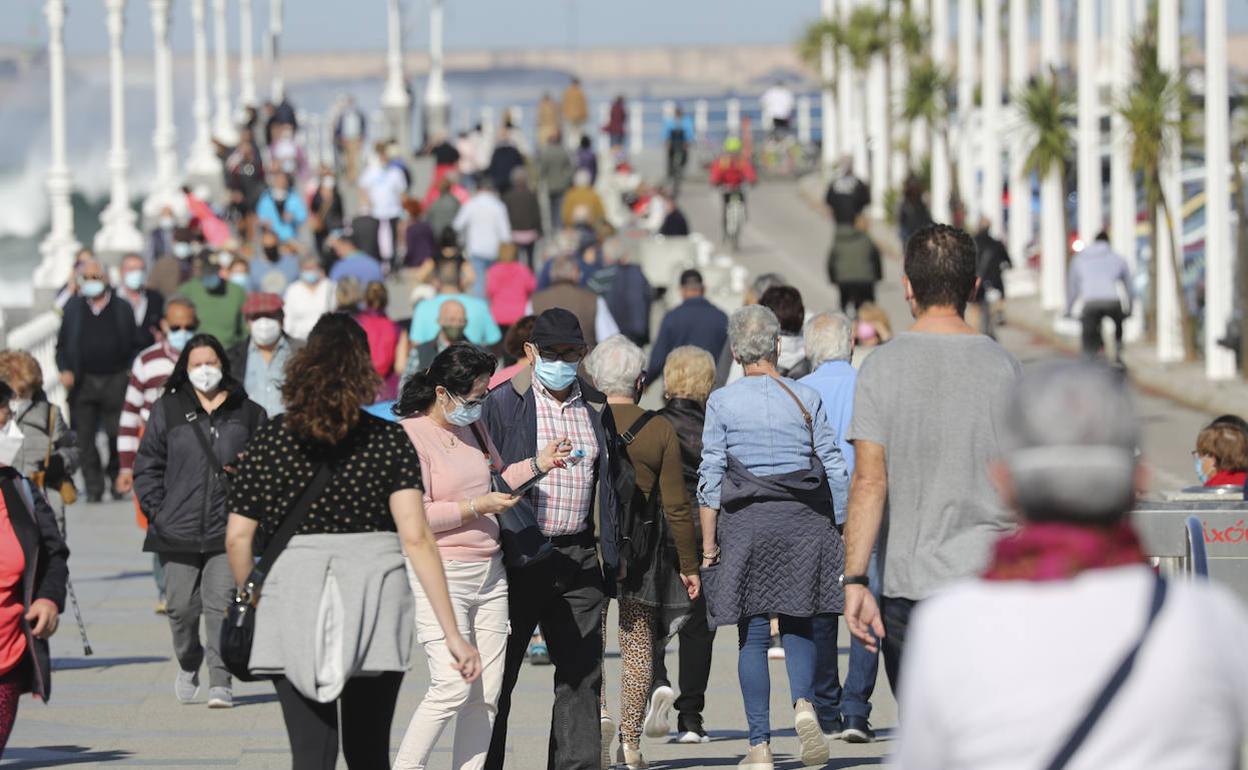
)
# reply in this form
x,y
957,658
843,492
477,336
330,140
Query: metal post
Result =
x,y
1122,222
117,234
1088,142
1169,324
60,246
1052,217
246,55
968,153
636,128
1219,270
940,136
991,148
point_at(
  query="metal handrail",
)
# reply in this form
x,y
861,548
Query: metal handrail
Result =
x,y
1197,556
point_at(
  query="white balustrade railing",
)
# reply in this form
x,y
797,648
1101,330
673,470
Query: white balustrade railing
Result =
x,y
38,337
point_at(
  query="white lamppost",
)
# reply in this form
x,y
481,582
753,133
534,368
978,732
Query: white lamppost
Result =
x,y
223,123
246,56
1020,181
991,133
920,142
1088,162
1219,273
940,138
830,149
1169,323
1052,219
846,91
437,100
1122,223
877,122
394,98
59,247
203,162
164,139
968,153
117,234
277,87
899,75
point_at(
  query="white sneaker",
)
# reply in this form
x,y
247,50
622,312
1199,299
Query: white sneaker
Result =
x,y
186,686
220,698
689,736
659,713
814,747
607,725
757,758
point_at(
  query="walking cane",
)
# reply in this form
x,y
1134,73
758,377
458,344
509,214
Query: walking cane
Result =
x,y
73,600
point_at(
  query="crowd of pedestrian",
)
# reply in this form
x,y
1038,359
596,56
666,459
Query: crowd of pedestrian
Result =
x,y
480,474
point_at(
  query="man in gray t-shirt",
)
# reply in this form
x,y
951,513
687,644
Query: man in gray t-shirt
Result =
x,y
927,416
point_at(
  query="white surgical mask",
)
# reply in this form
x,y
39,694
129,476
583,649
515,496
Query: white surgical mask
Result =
x,y
182,250
205,378
265,331
19,406
166,223
134,279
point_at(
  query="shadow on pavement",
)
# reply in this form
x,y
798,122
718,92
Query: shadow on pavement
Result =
x,y
70,664
119,576
57,756
255,700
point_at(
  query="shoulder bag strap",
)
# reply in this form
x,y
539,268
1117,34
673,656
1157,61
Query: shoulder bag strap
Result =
x,y
484,445
51,431
810,421
192,419
286,531
1111,688
630,435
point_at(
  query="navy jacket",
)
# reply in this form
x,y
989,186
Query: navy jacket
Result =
x,y
511,418
693,322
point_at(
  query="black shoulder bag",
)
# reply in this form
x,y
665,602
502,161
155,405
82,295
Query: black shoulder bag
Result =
x,y
642,515
522,541
1111,688
191,418
239,628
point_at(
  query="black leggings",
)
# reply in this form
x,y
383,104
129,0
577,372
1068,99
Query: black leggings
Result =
x,y
367,710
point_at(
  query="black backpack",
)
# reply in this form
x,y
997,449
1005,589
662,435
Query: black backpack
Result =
x,y
642,519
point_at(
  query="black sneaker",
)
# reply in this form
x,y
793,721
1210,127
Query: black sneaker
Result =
x,y
689,730
857,730
833,731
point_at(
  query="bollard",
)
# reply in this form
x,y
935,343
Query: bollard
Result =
x,y
734,117
636,125
700,120
803,119
604,141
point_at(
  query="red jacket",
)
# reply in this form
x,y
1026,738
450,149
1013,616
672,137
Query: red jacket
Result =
x,y
1227,479
732,172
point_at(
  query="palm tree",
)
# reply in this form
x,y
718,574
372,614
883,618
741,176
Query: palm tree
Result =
x,y
1045,109
925,101
810,44
865,37
1153,115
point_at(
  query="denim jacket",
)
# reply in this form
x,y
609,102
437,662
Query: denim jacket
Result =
x,y
755,421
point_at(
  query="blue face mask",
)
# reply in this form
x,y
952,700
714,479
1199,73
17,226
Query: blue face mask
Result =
x,y
556,375
241,280
212,281
310,276
1200,471
463,415
92,289
179,337
135,279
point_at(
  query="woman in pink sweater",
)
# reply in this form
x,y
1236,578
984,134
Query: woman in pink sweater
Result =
x,y
440,407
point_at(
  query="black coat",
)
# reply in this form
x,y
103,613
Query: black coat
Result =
x,y
117,312
47,568
145,331
179,491
510,417
688,417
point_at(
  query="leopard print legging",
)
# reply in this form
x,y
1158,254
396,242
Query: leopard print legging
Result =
x,y
637,659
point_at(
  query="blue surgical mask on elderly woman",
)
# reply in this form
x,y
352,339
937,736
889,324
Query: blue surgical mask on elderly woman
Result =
x,y
556,375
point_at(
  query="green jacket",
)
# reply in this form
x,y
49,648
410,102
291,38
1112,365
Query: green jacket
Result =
x,y
854,258
220,313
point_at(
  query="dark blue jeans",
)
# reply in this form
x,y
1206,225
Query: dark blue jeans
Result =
x,y
831,700
754,636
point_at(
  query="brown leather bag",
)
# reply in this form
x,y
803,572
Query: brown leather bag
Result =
x,y
67,490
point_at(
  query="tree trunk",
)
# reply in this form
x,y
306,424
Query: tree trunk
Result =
x,y
1176,258
1241,249
1150,316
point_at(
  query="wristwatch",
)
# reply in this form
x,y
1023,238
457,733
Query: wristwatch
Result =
x,y
855,580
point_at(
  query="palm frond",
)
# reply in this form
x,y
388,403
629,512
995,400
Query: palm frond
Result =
x,y
926,94
810,45
1046,111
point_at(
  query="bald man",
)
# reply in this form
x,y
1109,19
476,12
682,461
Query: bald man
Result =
x,y
452,319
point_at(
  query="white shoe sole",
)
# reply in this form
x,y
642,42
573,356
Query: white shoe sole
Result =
x,y
659,714
814,747
607,725
855,736
692,737
757,766
217,703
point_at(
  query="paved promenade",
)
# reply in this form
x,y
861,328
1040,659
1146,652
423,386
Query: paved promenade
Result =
x,y
117,709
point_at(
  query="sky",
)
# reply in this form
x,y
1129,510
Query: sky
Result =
x,y
317,25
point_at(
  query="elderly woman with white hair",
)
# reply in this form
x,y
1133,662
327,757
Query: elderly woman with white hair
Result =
x,y
656,585
770,484
1070,650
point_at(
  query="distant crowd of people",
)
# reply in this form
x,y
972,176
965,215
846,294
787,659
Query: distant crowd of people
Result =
x,y
480,478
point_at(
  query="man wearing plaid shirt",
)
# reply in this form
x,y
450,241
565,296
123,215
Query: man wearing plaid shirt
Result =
x,y
151,368
566,592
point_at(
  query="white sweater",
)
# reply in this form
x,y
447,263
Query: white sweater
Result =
x,y
997,675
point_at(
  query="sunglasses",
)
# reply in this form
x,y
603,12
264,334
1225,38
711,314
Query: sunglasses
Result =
x,y
567,356
173,328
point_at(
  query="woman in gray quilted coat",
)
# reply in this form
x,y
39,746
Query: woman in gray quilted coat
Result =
x,y
770,482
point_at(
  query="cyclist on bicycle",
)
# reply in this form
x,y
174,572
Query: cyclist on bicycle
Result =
x,y
730,172
678,135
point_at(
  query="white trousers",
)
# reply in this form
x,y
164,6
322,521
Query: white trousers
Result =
x,y
479,597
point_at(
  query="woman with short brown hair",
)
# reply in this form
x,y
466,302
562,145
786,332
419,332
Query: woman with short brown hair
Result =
x,y
1221,455
49,451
